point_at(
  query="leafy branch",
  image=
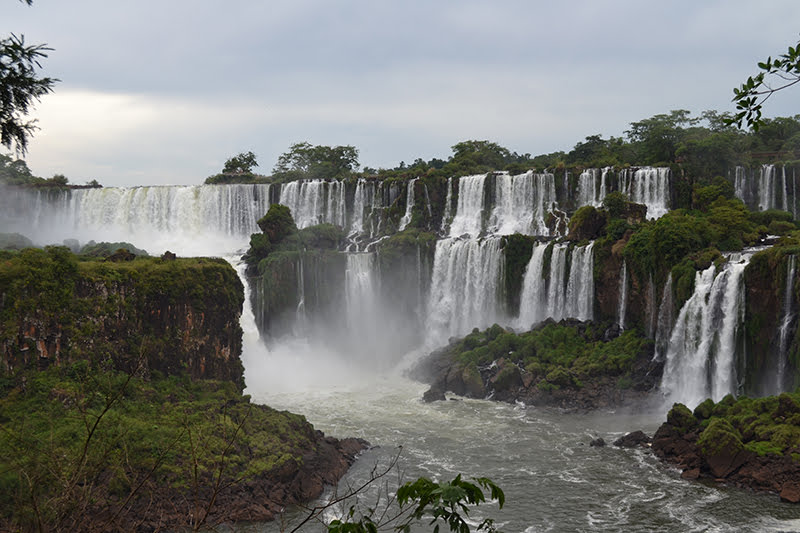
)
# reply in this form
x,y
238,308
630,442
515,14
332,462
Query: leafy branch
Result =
x,y
776,75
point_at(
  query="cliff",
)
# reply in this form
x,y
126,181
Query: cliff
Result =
x,y
145,315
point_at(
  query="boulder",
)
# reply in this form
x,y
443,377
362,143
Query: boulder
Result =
x,y
633,439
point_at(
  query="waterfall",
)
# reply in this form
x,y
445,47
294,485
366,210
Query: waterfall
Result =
x,y
561,294
740,185
469,211
534,287
784,195
522,203
361,199
361,293
447,206
315,202
465,287
579,297
785,329
650,315
700,357
409,205
666,311
623,295
588,191
649,186
189,220
766,188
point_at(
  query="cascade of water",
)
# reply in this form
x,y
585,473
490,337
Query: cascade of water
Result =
x,y
409,205
588,193
623,295
469,211
740,185
465,287
649,186
766,188
560,294
522,203
794,193
315,201
361,199
579,296
700,357
447,205
301,322
784,192
361,292
189,220
666,310
534,289
555,286
785,329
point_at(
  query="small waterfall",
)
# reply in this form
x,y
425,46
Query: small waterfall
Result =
x,y
301,322
649,186
784,195
469,211
702,347
589,193
785,330
534,289
362,198
447,206
522,203
409,205
766,188
740,185
666,311
623,295
465,287
315,202
579,298
561,294
361,292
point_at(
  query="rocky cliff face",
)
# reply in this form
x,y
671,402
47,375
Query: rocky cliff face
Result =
x,y
145,315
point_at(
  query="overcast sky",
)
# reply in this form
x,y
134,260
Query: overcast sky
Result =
x,y
163,92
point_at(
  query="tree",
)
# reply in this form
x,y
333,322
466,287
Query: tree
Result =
x,y
776,74
20,88
304,160
657,137
242,163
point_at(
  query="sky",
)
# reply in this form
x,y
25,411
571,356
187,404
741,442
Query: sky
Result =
x,y
164,92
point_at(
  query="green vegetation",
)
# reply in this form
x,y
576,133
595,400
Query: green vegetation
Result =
x,y
765,426
304,160
558,355
118,311
83,445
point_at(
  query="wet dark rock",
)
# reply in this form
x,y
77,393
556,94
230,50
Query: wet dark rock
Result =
x,y
633,439
598,442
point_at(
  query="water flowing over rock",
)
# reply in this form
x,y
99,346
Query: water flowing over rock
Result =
x,y
557,293
409,205
465,286
522,203
700,359
649,186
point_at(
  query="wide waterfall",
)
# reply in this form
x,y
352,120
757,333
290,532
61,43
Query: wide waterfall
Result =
x,y
766,187
188,219
701,357
592,187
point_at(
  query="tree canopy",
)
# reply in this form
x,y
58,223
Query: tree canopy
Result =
x,y
242,163
304,160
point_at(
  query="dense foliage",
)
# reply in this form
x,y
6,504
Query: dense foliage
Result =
x,y
557,354
81,444
765,426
